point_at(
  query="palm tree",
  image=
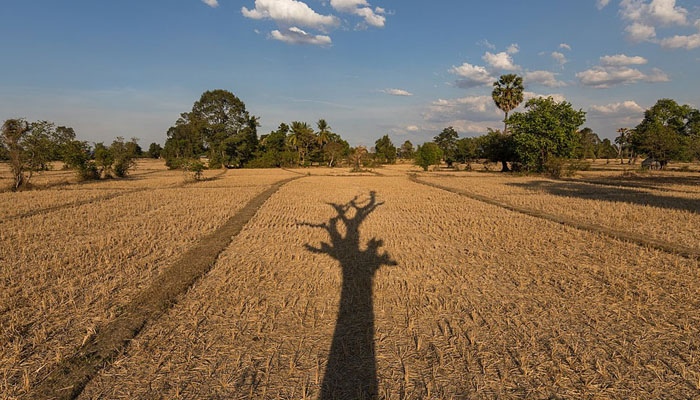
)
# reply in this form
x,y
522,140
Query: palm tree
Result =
x,y
324,132
299,138
508,94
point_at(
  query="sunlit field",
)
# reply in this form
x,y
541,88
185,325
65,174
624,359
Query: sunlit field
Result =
x,y
342,283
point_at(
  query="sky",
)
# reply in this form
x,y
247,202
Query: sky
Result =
x,y
406,68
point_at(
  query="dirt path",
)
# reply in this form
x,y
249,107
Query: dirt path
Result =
x,y
72,374
616,234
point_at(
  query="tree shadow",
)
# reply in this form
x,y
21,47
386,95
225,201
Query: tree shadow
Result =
x,y
351,371
612,194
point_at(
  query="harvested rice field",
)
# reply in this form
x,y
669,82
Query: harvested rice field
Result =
x,y
349,286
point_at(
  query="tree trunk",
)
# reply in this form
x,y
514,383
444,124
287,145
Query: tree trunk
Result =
x,y
504,167
505,124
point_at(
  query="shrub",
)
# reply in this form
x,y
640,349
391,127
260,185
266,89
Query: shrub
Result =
x,y
428,154
193,169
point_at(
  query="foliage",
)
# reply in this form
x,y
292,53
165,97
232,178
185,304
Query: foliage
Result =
x,y
668,131
406,151
123,154
466,151
508,94
154,150
218,124
496,147
447,142
385,151
358,157
14,135
547,129
193,167
428,154
76,155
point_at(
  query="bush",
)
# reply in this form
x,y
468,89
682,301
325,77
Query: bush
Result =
x,y
555,167
193,169
428,154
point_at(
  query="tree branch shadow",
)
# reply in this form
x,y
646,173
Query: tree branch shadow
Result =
x,y
351,371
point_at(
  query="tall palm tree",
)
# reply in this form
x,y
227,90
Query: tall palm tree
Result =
x,y
324,132
508,94
299,137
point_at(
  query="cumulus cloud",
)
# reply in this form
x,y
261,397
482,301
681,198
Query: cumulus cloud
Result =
x,y
397,92
621,59
688,42
211,3
604,77
601,4
558,97
655,12
413,128
502,61
621,109
363,9
471,108
545,78
289,13
639,32
487,44
295,35
565,46
513,49
559,57
472,75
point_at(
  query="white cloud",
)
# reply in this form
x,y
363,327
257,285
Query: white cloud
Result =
x,y
655,12
559,57
565,46
532,95
295,35
211,3
601,4
624,108
487,44
605,77
513,49
688,42
501,60
621,59
472,108
412,128
545,78
362,9
472,75
397,92
289,13
639,32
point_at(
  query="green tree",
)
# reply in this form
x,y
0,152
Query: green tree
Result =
x,y
324,132
218,124
428,154
357,158
406,151
154,150
123,155
447,142
466,151
301,139
666,132
385,151
622,141
589,142
14,134
497,147
547,129
104,160
508,94
76,155
606,150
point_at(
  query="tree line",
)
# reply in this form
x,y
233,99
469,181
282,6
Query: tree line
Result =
x,y
544,137
30,147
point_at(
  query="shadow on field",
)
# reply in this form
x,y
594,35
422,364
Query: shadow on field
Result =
x,y
351,372
612,194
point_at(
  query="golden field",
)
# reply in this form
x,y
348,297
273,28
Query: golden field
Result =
x,y
342,285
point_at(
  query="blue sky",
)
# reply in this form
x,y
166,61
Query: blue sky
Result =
x,y
370,67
